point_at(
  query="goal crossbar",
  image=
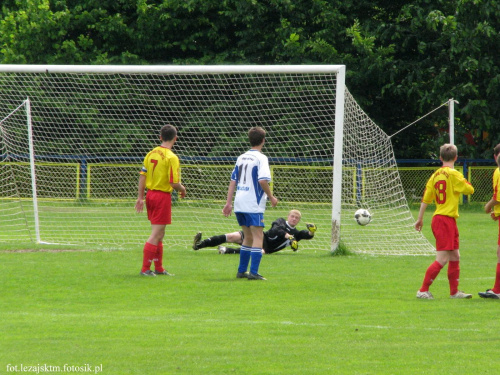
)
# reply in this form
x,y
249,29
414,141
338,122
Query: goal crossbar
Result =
x,y
174,69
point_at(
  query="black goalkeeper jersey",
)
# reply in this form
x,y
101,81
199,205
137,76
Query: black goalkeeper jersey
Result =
x,y
274,238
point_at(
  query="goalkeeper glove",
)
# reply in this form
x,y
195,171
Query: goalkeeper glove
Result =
x,y
311,227
294,244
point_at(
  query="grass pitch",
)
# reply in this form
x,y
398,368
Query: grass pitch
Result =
x,y
316,314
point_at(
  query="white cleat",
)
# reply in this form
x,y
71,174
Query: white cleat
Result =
x,y
424,295
461,295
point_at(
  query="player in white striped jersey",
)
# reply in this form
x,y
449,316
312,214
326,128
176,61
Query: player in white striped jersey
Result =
x,y
250,179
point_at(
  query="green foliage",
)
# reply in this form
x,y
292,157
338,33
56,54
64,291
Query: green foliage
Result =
x,y
404,59
442,50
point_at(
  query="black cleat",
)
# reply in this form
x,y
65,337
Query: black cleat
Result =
x,y
196,241
242,275
255,276
165,273
148,273
489,294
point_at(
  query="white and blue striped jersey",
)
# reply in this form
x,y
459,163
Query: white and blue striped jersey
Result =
x,y
251,167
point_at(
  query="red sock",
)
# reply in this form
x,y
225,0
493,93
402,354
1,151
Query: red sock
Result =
x,y
453,275
430,275
159,258
496,288
149,254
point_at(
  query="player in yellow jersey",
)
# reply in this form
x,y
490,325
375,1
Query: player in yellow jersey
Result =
x,y
444,188
493,209
160,175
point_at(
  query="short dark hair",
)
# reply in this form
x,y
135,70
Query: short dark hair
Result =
x,y
168,132
448,152
256,135
496,150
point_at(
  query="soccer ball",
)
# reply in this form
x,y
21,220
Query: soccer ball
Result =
x,y
362,216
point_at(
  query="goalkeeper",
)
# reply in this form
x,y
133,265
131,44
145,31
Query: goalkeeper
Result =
x,y
283,233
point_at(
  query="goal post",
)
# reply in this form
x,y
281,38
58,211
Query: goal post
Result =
x,y
77,166
13,212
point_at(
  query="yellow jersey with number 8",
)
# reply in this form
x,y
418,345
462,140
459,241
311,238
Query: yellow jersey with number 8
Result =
x,y
444,188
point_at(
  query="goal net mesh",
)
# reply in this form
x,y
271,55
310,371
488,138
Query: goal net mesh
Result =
x,y
91,132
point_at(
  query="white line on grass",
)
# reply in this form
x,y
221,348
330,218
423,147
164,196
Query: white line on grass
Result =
x,y
238,322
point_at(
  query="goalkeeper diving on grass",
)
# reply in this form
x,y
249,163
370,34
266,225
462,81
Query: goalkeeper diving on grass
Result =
x,y
283,233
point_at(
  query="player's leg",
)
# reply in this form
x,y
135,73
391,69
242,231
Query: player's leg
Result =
x,y
159,208
150,250
159,269
234,237
430,275
245,252
454,272
495,292
208,242
197,241
159,259
229,250
148,256
256,252
157,234
496,287
435,267
454,259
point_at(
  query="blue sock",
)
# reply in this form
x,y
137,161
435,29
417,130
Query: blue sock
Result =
x,y
244,259
256,257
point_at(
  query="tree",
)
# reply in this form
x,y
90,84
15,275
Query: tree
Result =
x,y
403,59
441,50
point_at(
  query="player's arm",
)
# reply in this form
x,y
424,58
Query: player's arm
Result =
x,y
420,221
177,186
229,200
175,176
311,228
265,186
139,204
427,199
303,235
463,186
489,208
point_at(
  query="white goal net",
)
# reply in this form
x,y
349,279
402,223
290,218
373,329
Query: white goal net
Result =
x,y
69,164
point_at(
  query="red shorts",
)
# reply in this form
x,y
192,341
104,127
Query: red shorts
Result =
x,y
445,231
159,207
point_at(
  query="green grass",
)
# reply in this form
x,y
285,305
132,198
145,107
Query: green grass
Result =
x,y
316,314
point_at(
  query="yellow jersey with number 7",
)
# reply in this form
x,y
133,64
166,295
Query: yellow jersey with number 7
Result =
x,y
161,168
